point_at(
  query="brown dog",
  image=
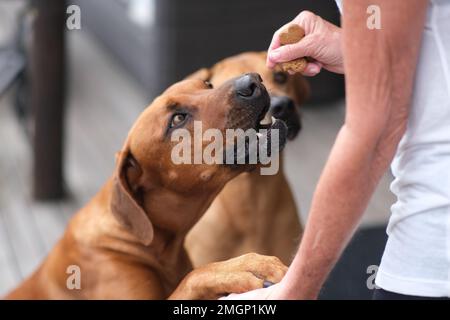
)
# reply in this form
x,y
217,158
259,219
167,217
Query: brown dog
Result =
x,y
127,242
253,213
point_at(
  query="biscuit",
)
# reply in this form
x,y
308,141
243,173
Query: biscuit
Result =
x,y
294,66
293,34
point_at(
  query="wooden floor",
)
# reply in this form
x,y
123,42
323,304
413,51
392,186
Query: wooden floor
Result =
x,y
103,101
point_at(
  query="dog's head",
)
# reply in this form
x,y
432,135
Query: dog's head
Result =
x,y
148,180
287,92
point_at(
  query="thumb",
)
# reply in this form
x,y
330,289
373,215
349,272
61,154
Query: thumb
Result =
x,y
303,48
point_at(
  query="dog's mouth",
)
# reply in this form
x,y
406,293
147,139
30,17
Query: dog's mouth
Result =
x,y
257,135
267,126
268,137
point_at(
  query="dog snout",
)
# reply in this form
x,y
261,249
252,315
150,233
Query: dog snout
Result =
x,y
282,107
248,86
250,101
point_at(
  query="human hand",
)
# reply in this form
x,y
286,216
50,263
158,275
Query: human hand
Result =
x,y
270,293
322,43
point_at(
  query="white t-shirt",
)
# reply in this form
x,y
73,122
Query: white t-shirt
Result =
x,y
416,260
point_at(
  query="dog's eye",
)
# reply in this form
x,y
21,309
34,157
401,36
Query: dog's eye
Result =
x,y
280,77
208,84
177,119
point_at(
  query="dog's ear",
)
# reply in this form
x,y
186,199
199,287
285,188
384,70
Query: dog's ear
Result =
x,y
126,204
302,88
202,74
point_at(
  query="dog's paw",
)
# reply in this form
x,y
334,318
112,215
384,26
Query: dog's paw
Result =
x,y
238,275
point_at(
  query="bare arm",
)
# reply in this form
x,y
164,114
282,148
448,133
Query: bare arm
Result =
x,y
379,66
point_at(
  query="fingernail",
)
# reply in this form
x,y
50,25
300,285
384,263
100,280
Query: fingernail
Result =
x,y
274,55
315,69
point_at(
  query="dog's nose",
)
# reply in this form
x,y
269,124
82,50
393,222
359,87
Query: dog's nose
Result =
x,y
248,86
282,107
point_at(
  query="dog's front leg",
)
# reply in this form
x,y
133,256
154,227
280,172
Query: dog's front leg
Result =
x,y
248,272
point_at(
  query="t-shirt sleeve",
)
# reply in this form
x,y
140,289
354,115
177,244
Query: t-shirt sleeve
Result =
x,y
339,4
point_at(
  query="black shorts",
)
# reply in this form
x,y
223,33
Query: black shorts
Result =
x,y
380,294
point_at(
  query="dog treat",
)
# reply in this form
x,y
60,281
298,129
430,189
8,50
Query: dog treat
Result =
x,y
291,35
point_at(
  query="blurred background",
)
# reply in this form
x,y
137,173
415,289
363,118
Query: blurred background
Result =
x,y
68,98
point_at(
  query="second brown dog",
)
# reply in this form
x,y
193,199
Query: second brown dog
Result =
x,y
253,213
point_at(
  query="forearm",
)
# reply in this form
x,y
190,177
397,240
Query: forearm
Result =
x,y
341,197
379,68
